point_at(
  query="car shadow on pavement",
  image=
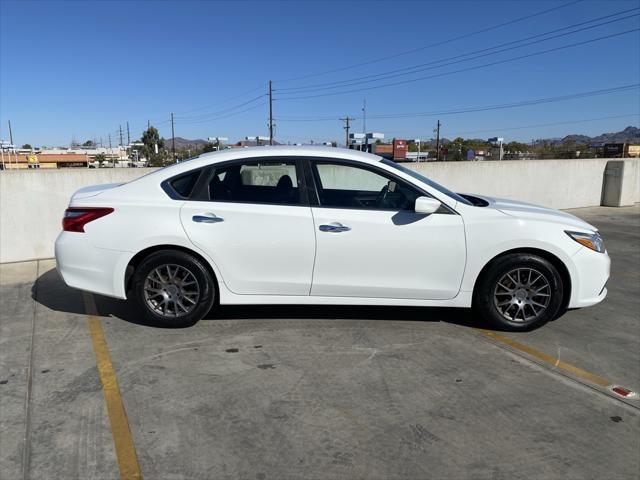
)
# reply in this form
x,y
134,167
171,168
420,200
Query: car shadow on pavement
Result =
x,y
50,291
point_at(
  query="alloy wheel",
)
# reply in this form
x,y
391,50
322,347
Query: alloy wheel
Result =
x,y
171,290
522,295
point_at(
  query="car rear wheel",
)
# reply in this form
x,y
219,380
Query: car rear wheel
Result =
x,y
172,289
519,292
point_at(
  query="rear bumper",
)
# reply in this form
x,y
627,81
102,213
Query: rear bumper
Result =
x,y
590,279
83,266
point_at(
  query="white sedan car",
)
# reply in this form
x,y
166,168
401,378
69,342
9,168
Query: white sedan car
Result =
x,y
307,225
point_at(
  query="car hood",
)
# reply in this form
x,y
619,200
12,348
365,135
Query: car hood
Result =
x,y
530,211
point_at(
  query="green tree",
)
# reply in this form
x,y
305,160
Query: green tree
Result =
x,y
516,147
26,145
151,138
208,147
89,144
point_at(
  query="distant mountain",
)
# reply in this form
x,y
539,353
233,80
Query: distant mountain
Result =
x,y
185,143
628,135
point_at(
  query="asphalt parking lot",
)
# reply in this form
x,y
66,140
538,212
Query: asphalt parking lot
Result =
x,y
89,392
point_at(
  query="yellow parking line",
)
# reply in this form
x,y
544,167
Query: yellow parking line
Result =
x,y
122,438
567,367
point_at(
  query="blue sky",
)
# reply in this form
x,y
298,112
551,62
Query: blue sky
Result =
x,y
81,69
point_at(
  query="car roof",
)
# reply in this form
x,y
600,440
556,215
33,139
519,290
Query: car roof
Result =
x,y
157,177
267,151
230,154
292,150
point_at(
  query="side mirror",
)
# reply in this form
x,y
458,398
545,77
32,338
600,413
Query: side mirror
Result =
x,y
427,205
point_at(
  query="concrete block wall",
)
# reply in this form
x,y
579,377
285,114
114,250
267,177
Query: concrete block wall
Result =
x,y
32,202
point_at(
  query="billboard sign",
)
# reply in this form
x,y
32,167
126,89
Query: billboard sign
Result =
x,y
613,149
399,149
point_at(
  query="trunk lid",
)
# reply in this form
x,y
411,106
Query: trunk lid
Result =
x,y
93,190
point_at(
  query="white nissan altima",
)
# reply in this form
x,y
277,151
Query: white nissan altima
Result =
x,y
307,225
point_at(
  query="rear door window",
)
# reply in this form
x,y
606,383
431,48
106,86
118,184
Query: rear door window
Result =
x,y
257,181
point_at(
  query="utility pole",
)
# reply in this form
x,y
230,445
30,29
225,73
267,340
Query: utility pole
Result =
x,y
120,127
270,114
111,152
438,141
148,124
10,133
173,138
364,115
128,135
346,127
364,124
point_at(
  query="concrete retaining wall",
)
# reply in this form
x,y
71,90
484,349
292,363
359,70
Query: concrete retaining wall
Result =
x,y
32,202
552,183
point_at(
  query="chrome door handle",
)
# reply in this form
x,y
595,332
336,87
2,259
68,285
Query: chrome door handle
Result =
x,y
207,218
334,227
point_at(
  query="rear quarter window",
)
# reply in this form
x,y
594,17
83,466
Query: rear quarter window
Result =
x,y
181,187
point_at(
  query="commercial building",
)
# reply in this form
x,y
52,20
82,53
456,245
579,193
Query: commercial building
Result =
x,y
60,158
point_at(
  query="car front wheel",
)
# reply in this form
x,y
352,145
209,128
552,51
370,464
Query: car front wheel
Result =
x,y
519,292
172,289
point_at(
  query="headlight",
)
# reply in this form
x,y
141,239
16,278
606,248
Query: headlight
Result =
x,y
589,240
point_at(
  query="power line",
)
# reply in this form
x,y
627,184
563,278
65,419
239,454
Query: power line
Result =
x,y
434,64
538,101
225,101
223,116
499,62
141,127
432,45
228,109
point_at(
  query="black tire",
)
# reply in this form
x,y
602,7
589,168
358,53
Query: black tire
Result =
x,y
158,262
491,299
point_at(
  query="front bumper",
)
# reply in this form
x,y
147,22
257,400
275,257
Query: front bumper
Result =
x,y
589,280
86,267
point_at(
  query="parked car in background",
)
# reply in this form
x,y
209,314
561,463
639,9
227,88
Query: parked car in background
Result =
x,y
308,225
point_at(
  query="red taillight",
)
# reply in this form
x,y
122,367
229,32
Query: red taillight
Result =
x,y
77,217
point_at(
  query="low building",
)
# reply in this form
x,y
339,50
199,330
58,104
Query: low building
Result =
x,y
43,160
63,158
621,150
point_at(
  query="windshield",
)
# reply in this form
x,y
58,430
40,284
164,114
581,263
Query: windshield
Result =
x,y
428,181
